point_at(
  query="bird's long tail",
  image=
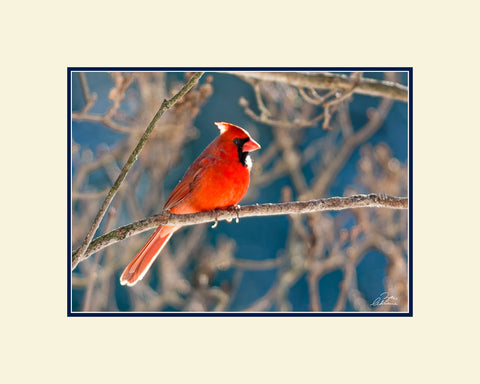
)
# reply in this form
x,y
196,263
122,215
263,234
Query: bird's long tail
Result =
x,y
141,263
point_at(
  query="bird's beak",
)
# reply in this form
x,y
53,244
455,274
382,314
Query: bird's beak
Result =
x,y
250,146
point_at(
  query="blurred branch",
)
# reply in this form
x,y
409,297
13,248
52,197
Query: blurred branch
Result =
x,y
116,95
88,97
258,265
88,195
101,119
296,207
263,118
365,86
92,275
357,76
376,119
167,104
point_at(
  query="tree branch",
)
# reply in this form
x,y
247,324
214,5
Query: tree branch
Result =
x,y
296,207
167,104
365,86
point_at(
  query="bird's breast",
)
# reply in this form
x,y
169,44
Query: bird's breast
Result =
x,y
223,184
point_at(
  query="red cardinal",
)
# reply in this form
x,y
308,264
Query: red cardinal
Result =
x,y
217,179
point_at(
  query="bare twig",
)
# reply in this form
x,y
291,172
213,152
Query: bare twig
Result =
x,y
88,195
167,104
101,119
315,100
366,86
263,118
89,98
296,207
258,265
265,113
322,183
117,93
331,104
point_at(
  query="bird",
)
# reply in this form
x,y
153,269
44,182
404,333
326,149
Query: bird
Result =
x,y
217,179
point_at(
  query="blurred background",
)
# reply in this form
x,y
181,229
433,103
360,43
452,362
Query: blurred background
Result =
x,y
315,143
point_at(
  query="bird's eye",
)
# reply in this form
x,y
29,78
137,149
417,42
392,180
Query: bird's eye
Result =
x,y
239,142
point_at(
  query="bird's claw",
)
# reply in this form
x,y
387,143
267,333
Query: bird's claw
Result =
x,y
237,210
229,220
216,219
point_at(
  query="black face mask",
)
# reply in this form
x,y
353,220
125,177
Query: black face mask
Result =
x,y
242,156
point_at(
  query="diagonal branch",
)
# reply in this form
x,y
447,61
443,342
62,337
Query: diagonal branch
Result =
x,y
167,104
296,207
365,86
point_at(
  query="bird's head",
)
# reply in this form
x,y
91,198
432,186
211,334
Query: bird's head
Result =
x,y
232,136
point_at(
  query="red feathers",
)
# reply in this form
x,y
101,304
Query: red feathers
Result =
x,y
217,179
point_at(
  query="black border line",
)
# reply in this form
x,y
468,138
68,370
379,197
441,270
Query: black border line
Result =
x,y
410,191
70,313
69,193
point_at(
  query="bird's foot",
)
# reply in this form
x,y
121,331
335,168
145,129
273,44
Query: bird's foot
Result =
x,y
216,219
237,210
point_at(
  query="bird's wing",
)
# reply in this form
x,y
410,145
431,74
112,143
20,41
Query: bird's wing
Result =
x,y
188,182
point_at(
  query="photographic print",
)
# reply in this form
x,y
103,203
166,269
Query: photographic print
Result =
x,y
239,192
